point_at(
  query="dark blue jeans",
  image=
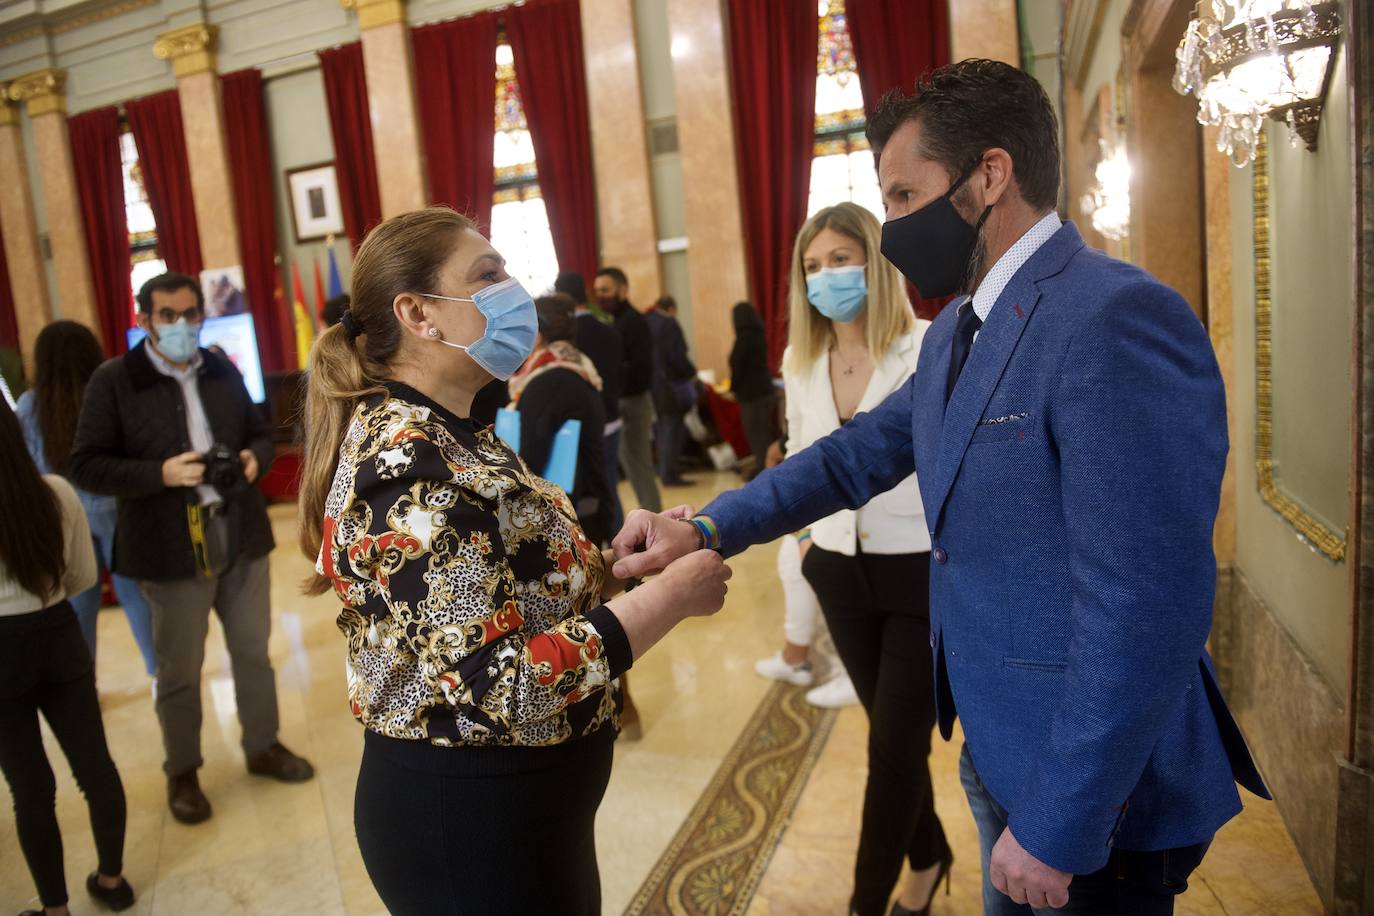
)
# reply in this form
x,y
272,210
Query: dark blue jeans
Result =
x,y
1131,883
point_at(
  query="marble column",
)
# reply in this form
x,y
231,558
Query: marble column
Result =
x,y
44,95
391,97
715,255
984,28
19,232
624,192
191,51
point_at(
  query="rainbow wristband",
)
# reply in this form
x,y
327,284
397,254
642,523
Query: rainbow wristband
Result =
x,y
710,534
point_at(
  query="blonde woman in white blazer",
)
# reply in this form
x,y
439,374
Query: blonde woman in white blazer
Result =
x,y
853,340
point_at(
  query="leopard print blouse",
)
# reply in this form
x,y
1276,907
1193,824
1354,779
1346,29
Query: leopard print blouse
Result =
x,y
470,595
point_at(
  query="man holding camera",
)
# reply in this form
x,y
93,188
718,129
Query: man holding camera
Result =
x,y
170,430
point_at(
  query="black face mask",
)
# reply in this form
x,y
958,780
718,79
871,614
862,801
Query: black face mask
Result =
x,y
933,246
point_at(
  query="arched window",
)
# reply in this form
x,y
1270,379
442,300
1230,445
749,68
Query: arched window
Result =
x,y
843,167
144,262
519,223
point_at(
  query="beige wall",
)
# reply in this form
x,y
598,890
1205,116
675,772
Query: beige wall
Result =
x,y
1308,594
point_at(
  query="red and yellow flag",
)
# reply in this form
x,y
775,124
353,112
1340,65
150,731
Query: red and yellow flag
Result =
x,y
319,293
305,326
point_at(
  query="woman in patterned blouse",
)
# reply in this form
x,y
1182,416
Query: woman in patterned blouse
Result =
x,y
485,634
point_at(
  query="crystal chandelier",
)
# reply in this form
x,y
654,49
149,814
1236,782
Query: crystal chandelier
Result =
x,y
1108,203
1245,59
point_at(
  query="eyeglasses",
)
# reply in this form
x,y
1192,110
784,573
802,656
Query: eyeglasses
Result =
x,y
167,316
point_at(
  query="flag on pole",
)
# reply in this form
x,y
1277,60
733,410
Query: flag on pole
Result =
x,y
335,282
284,321
305,326
319,293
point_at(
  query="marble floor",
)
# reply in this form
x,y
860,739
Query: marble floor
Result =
x,y
274,849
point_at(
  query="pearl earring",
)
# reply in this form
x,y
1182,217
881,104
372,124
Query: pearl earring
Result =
x,y
433,332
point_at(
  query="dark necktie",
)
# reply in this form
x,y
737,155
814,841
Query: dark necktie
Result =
x,y
968,325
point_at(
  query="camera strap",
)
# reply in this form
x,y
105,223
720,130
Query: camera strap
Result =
x,y
195,521
209,538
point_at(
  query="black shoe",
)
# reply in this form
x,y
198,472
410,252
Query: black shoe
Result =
x,y
116,898
189,805
941,875
280,764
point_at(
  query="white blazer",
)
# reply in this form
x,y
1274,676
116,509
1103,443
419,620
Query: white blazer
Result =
x,y
893,522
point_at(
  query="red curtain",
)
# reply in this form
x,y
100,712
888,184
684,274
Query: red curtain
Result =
x,y
895,41
250,166
100,188
773,81
456,107
546,37
350,124
161,139
9,324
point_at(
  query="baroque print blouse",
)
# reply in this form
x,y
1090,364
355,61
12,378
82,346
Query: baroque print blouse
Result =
x,y
471,598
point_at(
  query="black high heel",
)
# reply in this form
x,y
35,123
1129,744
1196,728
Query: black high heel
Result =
x,y
943,874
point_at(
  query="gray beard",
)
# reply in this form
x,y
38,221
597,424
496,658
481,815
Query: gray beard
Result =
x,y
977,266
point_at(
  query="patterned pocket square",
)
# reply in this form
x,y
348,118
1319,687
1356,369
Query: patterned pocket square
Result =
x,y
998,421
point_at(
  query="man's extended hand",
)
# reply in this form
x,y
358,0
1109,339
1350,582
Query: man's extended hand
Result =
x,y
1024,878
649,542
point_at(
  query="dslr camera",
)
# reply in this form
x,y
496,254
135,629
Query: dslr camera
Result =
x,y
223,468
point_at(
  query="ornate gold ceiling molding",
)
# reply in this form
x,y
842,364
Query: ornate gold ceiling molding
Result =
x,y
100,15
15,38
190,49
42,91
374,13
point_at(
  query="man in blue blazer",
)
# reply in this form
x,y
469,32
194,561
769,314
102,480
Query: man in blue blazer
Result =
x,y
1067,425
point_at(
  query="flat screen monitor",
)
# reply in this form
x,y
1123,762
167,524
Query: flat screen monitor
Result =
x,y
234,335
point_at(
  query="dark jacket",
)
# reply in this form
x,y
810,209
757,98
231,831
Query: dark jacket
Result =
x,y
549,401
638,345
750,379
601,343
673,368
133,419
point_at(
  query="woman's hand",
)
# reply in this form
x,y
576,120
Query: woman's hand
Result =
x,y
611,585
695,584
691,586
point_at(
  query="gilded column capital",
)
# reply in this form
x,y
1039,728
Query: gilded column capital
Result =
x,y
9,112
190,49
42,91
374,13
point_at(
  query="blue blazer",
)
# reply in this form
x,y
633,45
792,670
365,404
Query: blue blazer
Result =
x,y
1071,488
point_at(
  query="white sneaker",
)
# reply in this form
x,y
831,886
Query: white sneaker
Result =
x,y
775,669
835,693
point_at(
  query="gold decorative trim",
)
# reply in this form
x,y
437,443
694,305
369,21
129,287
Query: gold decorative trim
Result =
x,y
42,92
9,112
1312,530
109,12
375,13
190,49
17,37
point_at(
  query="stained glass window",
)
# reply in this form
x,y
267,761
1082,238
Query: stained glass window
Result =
x,y
843,167
519,222
143,257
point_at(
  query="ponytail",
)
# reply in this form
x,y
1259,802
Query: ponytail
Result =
x,y
403,254
336,384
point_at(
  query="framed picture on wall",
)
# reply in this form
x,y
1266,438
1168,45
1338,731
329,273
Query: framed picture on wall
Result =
x,y
316,212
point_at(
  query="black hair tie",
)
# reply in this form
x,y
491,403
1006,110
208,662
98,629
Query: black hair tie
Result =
x,y
352,326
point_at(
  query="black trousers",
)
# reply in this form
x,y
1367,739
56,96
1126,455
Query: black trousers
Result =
x,y
46,667
878,611
482,831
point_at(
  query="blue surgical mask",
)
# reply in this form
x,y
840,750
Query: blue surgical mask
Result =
x,y
838,293
178,341
512,326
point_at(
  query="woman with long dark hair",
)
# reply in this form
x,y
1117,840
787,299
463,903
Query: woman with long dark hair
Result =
x,y
65,355
46,555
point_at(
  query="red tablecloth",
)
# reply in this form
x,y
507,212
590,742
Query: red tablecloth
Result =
x,y
725,412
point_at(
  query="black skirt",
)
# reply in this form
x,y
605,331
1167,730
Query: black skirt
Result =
x,y
482,831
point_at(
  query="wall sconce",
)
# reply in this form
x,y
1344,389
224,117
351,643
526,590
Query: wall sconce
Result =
x,y
1245,59
1108,204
